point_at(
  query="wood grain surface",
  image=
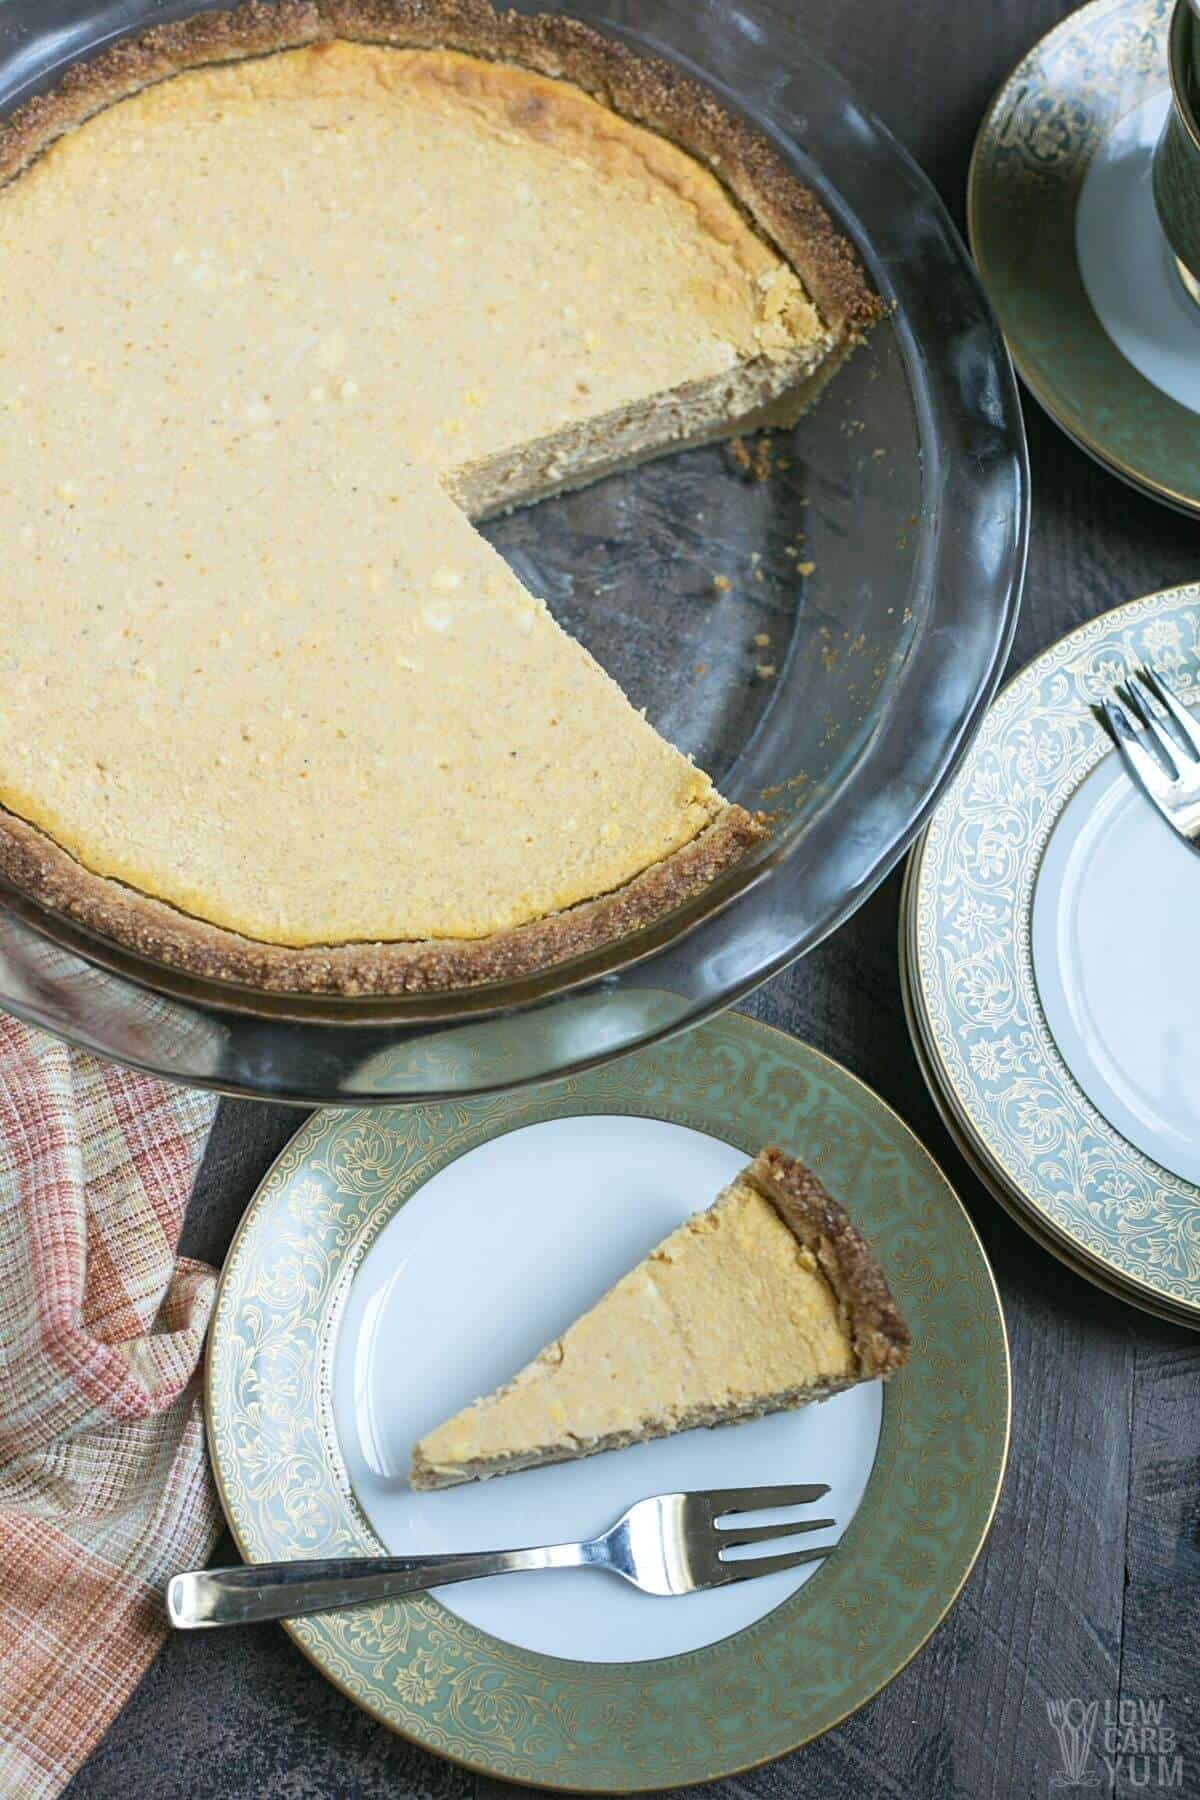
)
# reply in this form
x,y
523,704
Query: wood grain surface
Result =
x,y
1089,1585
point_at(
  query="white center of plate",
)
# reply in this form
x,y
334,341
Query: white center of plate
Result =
x,y
1116,964
490,1260
1126,263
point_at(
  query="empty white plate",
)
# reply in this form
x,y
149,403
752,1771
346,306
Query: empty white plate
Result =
x,y
1053,972
1117,964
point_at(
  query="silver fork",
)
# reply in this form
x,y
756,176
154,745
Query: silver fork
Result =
x,y
669,1544
1164,755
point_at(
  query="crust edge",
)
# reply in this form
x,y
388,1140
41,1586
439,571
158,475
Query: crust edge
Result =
x,y
877,1328
428,1477
40,868
646,89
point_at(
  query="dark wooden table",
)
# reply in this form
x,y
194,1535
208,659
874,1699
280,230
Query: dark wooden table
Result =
x,y
1089,1585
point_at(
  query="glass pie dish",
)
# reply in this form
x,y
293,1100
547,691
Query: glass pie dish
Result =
x,y
820,622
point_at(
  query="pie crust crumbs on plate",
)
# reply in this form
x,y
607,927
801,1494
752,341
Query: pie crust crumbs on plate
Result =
x,y
316,286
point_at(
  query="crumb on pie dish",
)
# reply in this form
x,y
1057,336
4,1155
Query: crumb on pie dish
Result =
x,y
319,286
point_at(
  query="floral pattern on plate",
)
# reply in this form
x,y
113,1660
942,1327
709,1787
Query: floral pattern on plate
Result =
x,y
1027,173
613,1727
971,963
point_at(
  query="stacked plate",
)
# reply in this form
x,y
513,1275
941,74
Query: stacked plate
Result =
x,y
1051,968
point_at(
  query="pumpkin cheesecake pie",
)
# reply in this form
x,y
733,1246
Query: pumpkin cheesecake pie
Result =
x,y
289,296
767,1300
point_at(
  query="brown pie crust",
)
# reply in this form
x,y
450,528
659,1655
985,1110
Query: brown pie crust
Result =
x,y
39,867
650,92
880,1337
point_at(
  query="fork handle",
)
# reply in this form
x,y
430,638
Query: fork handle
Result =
x,y
250,1594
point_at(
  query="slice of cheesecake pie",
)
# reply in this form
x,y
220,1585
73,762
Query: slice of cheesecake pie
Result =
x,y
767,1300
290,294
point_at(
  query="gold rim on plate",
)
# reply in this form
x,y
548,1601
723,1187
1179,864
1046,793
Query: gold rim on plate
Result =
x,y
975,1157
713,1712
966,924
1028,163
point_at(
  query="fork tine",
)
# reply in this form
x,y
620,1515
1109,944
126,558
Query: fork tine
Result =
x,y
760,1534
1153,729
1157,732
1141,765
1181,718
749,1567
759,1499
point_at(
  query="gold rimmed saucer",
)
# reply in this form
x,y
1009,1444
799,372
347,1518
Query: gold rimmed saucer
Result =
x,y
1063,228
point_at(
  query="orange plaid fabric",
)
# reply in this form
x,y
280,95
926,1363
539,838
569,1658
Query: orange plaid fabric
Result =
x,y
104,1486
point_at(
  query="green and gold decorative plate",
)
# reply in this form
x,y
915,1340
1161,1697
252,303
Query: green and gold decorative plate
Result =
x,y
978,949
397,1261
991,1179
1063,227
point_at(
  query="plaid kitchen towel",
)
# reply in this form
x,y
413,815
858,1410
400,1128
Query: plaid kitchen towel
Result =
x,y
104,1486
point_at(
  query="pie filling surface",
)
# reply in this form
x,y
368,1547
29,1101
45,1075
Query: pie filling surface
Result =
x,y
271,332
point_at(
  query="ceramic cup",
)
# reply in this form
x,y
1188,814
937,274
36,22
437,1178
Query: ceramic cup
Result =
x,y
1177,158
